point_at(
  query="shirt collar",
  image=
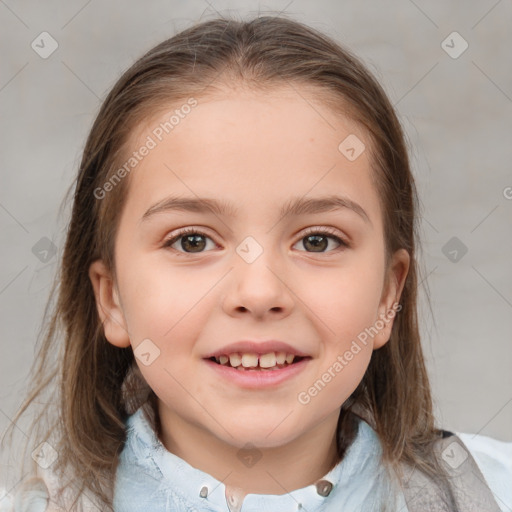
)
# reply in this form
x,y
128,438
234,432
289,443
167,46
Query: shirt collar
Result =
x,y
350,478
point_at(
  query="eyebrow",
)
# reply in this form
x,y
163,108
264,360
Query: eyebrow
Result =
x,y
296,206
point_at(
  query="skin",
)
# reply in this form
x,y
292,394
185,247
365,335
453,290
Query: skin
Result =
x,y
258,151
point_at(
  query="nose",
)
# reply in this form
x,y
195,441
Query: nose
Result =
x,y
259,288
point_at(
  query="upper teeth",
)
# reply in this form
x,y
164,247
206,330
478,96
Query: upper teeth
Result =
x,y
251,360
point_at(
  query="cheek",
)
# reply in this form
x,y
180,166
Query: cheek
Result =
x,y
170,309
345,300
340,371
158,301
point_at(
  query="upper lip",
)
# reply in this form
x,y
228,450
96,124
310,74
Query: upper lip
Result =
x,y
256,347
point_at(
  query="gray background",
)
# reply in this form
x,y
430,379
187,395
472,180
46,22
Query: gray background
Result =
x,y
456,112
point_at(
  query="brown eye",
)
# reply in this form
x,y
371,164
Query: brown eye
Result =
x,y
318,241
188,241
193,243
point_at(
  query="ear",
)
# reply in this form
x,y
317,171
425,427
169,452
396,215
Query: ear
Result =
x,y
389,304
108,305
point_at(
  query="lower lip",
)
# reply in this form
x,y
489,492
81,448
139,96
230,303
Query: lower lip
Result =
x,y
257,379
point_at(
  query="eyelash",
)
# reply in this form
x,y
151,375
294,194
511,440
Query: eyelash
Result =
x,y
317,231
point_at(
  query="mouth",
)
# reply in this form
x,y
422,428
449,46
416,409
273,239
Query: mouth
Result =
x,y
252,362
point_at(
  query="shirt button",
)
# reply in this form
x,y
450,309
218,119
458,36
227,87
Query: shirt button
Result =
x,y
323,488
204,492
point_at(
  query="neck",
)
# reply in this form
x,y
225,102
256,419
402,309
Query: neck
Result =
x,y
251,469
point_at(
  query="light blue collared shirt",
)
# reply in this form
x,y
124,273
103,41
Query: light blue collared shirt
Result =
x,y
150,478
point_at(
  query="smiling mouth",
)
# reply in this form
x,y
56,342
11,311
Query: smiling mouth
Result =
x,y
255,362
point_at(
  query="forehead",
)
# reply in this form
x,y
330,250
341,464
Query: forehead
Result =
x,y
252,147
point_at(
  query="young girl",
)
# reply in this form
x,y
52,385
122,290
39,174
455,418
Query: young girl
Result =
x,y
237,296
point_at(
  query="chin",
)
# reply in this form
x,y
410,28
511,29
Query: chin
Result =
x,y
262,435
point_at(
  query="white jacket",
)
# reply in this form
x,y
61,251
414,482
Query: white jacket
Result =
x,y
151,479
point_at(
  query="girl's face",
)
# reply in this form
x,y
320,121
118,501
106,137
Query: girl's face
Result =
x,y
285,245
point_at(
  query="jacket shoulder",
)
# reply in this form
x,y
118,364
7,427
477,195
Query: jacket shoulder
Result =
x,y
494,459
465,488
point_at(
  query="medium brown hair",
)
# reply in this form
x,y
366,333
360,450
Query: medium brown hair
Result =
x,y
96,382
